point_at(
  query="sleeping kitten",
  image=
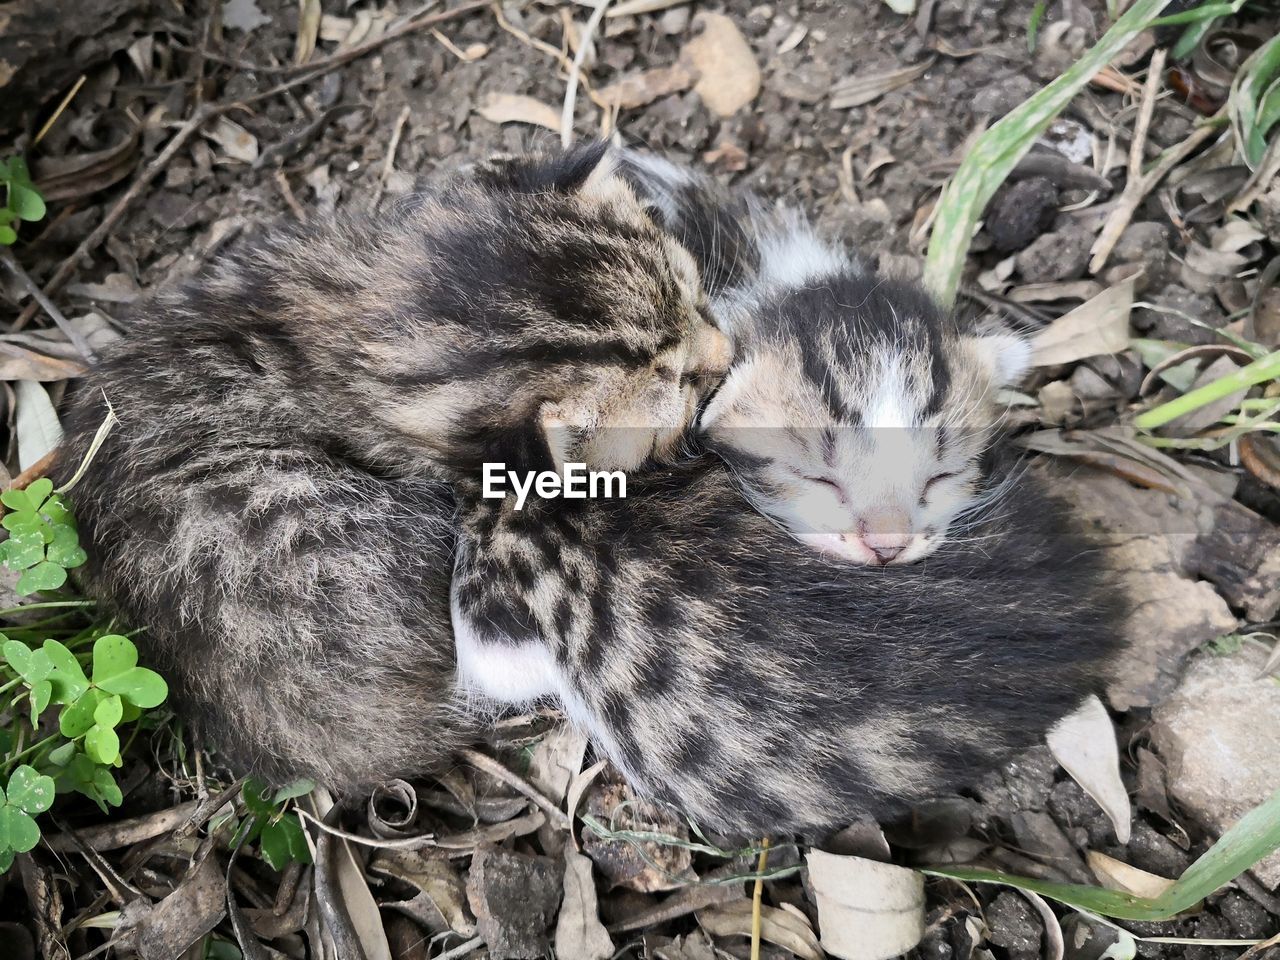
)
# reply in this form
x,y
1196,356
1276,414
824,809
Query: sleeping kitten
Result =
x,y
273,503
758,686
856,412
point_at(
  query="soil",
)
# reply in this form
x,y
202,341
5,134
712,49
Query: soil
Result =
x,y
324,145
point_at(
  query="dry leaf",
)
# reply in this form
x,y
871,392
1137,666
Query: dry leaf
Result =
x,y
579,933
361,906
1084,743
786,929
866,910
309,14
631,7
236,142
162,930
517,108
556,760
904,7
440,903
1056,290
863,88
728,75
641,89
1117,875
37,423
1097,326
19,363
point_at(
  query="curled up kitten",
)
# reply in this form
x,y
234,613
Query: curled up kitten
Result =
x,y
856,412
273,505
760,686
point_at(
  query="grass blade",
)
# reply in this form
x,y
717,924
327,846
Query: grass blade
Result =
x,y
1253,837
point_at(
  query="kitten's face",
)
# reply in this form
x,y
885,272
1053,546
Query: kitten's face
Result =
x,y
871,455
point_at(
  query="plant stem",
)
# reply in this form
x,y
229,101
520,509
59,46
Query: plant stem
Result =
x,y
10,762
48,604
1260,371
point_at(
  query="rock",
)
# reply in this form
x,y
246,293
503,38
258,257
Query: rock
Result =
x,y
1219,734
1060,255
1022,784
1166,325
1240,555
1002,95
515,897
1020,212
1014,926
1085,939
674,22
1038,835
1148,537
649,867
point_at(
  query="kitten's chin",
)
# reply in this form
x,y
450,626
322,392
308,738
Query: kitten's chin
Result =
x,y
843,546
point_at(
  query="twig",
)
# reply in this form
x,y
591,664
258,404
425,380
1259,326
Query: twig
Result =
x,y
38,297
565,62
126,833
389,161
286,191
53,118
571,93
492,767
757,894
403,843
1150,91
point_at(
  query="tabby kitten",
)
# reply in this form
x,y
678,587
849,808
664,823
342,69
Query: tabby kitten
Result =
x,y
856,412
273,504
758,686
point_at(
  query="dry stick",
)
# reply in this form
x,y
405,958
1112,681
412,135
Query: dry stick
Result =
x,y
571,93
556,53
389,161
495,769
757,894
299,75
38,298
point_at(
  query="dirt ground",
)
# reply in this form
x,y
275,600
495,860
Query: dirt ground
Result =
x,y
869,173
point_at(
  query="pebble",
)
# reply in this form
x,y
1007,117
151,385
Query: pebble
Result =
x,y
1021,212
515,898
1060,255
1014,926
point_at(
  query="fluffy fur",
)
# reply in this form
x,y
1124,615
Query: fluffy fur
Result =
x,y
273,505
760,687
856,411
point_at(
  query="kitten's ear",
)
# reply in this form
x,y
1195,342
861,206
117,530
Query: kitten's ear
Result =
x,y
579,169
726,398
1006,355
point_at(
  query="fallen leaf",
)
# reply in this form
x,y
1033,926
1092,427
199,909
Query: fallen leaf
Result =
x,y
641,89
866,910
579,933
1097,326
904,7
1084,743
644,865
243,15
19,363
781,927
36,424
236,142
863,88
354,889
1206,416
556,760
1055,290
440,903
1117,875
728,157
728,75
166,929
309,15
517,108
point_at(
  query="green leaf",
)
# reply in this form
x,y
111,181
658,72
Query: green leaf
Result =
x,y
65,549
18,831
218,949
26,202
105,783
257,797
38,490
274,844
18,172
76,719
68,678
298,848
109,713
8,237
31,665
24,549
18,500
43,576
6,856
290,791
55,508
30,791
115,670
102,745
1254,836
41,693
61,756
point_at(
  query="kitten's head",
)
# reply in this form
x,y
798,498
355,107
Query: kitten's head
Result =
x,y
629,349
856,414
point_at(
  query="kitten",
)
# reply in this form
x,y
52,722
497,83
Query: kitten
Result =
x,y
856,412
758,686
273,504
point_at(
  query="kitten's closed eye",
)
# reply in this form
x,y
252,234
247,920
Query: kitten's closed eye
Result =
x,y
938,478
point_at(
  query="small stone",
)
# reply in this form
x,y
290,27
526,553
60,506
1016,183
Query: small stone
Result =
x,y
674,22
1219,734
1000,96
1021,212
1171,323
1061,255
1014,927
1249,920
515,898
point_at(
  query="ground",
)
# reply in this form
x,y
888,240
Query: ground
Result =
x,y
361,135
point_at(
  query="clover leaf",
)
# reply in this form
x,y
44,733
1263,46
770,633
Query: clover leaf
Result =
x,y
34,667
283,840
27,794
66,675
116,670
43,542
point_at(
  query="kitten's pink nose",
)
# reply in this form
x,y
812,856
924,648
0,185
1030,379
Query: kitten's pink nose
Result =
x,y
886,532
